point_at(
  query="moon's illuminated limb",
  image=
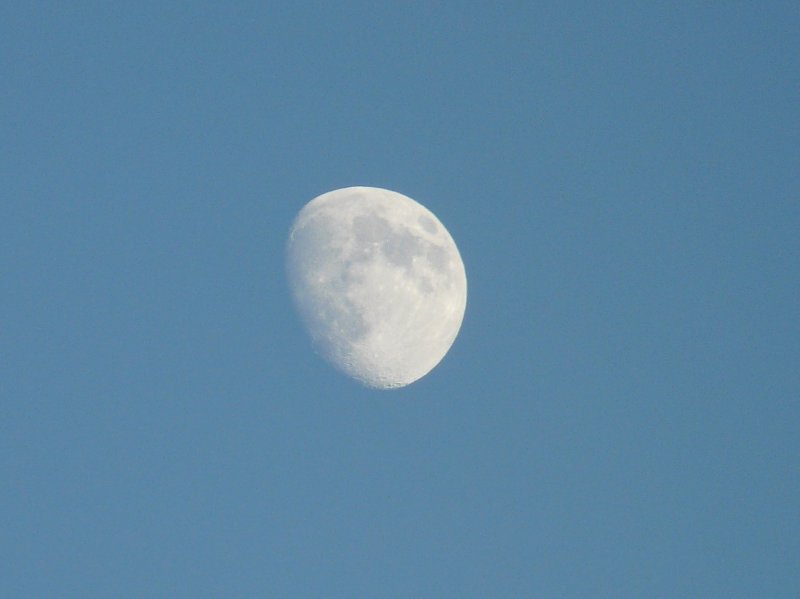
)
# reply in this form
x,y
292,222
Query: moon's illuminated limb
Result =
x,y
378,283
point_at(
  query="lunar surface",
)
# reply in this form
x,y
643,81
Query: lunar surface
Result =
x,y
378,283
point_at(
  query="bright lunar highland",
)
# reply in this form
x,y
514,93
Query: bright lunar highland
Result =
x,y
378,282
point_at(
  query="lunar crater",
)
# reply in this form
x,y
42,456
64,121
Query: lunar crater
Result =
x,y
427,224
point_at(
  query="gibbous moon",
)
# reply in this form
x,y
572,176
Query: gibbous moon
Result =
x,y
378,282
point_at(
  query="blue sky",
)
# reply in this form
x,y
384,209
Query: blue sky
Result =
x,y
619,416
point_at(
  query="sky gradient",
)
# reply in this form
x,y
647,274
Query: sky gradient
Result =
x,y
619,416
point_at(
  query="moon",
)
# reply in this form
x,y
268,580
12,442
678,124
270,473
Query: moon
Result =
x,y
378,283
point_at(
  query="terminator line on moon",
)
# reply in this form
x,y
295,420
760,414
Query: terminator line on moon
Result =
x,y
378,283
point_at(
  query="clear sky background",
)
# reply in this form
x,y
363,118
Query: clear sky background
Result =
x,y
620,415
